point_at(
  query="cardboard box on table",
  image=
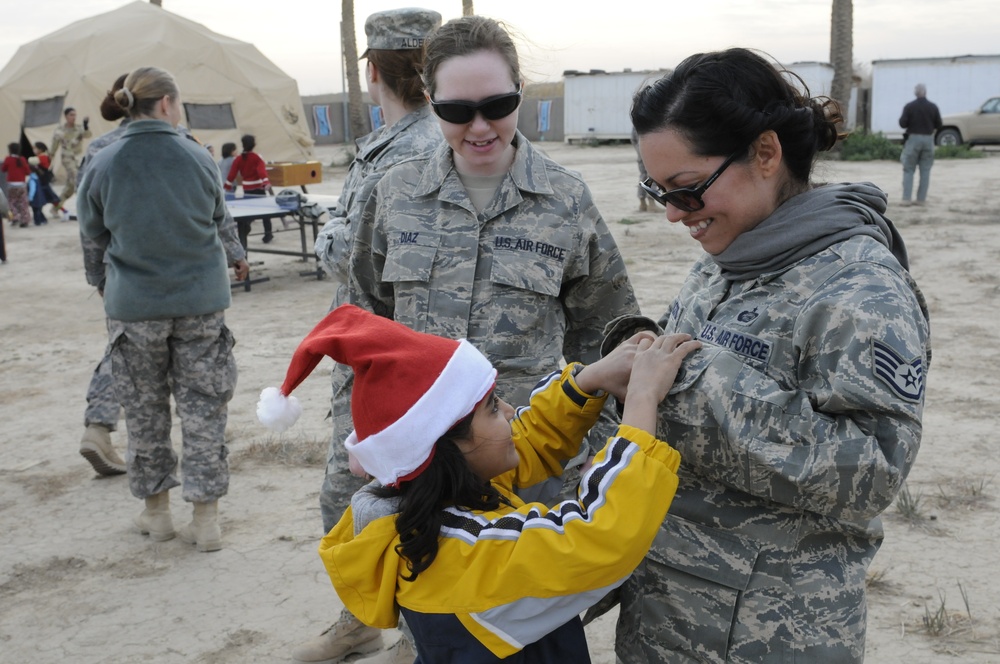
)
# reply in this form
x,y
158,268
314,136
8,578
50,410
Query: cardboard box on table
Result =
x,y
288,174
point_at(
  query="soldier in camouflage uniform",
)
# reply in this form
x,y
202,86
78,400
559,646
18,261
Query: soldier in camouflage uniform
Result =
x,y
800,418
486,238
511,254
395,40
103,409
395,53
70,138
165,293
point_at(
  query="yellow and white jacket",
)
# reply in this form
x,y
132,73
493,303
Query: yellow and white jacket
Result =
x,y
507,582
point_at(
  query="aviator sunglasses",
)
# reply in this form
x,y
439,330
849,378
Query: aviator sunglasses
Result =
x,y
687,199
492,108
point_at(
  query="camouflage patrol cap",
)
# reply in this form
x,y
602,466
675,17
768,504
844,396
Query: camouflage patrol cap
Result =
x,y
400,29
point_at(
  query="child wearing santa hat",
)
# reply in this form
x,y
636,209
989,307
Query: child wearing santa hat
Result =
x,y
441,535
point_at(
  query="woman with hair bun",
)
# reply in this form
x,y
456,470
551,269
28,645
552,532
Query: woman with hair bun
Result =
x,y
800,418
153,199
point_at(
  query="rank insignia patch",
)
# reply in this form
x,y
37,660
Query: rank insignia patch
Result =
x,y
904,377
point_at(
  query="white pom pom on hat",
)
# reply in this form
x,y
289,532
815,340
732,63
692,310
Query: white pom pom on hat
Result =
x,y
410,388
276,411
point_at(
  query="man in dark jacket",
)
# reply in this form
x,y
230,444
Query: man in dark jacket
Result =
x,y
921,120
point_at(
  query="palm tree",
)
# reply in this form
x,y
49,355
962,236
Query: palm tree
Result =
x,y
842,52
355,104
467,8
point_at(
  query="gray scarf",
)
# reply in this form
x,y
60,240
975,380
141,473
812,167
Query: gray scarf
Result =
x,y
807,224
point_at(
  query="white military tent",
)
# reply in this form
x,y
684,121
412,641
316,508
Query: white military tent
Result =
x,y
228,87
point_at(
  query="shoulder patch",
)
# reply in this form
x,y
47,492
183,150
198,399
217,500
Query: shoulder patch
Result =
x,y
904,377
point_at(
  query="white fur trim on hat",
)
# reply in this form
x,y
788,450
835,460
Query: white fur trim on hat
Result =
x,y
405,445
276,411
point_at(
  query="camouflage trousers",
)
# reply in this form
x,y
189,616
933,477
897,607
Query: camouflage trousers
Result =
x,y
103,408
192,358
72,170
338,482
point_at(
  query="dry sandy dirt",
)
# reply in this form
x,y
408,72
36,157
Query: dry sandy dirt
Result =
x,y
79,584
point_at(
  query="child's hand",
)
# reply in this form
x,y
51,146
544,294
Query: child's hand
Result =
x,y
611,372
654,369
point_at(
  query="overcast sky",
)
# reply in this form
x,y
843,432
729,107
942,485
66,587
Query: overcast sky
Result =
x,y
302,36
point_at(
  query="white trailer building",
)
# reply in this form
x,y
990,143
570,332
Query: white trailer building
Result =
x,y
597,103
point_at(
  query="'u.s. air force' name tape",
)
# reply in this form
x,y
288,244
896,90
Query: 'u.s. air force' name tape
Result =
x,y
904,377
745,344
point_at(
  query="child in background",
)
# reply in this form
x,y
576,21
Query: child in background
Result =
x,y
228,155
251,168
441,536
46,176
17,169
36,199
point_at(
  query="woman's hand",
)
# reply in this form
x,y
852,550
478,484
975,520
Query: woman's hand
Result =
x,y
242,270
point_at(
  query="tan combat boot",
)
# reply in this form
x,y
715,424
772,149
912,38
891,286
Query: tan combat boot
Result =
x,y
643,206
155,520
203,531
345,637
401,652
96,447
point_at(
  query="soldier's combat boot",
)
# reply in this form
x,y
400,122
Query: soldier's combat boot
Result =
x,y
203,531
155,520
347,636
401,652
96,447
643,206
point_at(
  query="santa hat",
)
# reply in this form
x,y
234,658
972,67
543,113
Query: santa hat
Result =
x,y
410,388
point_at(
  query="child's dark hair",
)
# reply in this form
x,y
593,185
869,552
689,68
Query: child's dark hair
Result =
x,y
14,149
41,146
228,149
446,482
720,102
249,142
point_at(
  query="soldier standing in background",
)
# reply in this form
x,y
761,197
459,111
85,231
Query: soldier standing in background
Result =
x,y
69,137
395,41
165,296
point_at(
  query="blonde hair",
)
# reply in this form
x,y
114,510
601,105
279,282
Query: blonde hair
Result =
x,y
143,88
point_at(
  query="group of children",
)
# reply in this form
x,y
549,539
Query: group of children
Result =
x,y
29,185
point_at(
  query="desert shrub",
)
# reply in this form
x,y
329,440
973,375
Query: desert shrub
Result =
x,y
957,152
865,146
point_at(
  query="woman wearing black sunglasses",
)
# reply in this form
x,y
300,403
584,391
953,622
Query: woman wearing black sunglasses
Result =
x,y
800,417
486,238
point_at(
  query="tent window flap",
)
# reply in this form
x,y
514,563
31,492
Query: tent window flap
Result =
x,y
43,112
210,116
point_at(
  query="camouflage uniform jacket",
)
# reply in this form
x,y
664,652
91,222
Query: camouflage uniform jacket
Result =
x,y
70,139
797,423
412,135
530,280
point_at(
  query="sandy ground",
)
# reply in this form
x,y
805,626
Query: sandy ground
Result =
x,y
79,584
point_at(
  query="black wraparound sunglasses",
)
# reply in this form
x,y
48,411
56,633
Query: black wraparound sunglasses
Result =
x,y
491,108
687,199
